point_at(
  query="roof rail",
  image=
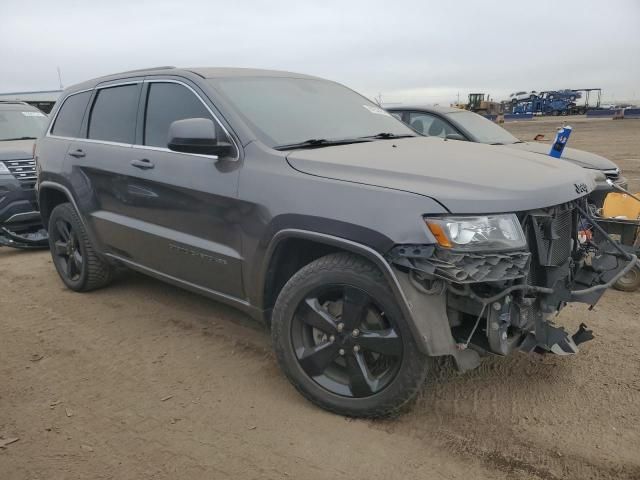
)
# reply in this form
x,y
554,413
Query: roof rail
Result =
x,y
167,67
19,102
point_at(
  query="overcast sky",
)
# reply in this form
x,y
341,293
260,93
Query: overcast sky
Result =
x,y
405,50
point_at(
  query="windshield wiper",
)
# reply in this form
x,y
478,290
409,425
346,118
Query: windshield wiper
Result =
x,y
386,135
17,138
319,142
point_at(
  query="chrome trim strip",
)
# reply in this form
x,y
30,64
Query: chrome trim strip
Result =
x,y
104,142
160,149
18,216
120,84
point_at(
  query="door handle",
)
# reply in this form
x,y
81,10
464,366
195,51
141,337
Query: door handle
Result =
x,y
77,153
143,164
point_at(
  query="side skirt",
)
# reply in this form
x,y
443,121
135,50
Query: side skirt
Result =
x,y
238,303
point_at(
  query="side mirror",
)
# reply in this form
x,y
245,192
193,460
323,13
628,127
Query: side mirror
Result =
x,y
197,135
455,136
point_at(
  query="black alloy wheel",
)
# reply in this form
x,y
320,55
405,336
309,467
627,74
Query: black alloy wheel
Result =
x,y
345,342
66,253
79,266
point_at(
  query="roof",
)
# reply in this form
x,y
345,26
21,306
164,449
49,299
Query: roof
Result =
x,y
203,72
215,72
426,108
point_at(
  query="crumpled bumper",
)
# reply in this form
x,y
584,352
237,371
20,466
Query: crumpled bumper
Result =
x,y
20,221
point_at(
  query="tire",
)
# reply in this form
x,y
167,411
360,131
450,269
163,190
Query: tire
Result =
x,y
630,282
74,257
341,386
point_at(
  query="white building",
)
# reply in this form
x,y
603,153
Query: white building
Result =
x,y
44,100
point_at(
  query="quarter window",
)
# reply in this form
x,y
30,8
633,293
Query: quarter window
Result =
x,y
113,116
166,103
69,118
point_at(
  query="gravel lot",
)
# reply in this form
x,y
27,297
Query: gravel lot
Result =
x,y
142,380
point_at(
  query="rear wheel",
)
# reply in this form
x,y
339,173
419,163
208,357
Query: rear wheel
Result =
x,y
341,339
73,255
629,282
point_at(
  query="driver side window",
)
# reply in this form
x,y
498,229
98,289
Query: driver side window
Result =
x,y
168,102
430,125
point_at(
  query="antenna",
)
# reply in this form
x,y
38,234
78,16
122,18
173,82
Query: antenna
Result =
x,y
60,78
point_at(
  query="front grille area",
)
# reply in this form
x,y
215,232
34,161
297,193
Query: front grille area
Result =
x,y
24,171
551,234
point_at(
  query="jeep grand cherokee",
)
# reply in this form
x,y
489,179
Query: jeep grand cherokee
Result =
x,y
367,248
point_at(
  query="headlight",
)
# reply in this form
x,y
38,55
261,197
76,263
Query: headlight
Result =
x,y
487,232
3,169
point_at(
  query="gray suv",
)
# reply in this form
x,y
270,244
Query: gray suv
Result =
x,y
369,250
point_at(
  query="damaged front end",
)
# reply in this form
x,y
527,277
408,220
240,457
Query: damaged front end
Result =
x,y
488,286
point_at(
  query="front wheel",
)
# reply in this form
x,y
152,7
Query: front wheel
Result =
x,y
342,340
74,257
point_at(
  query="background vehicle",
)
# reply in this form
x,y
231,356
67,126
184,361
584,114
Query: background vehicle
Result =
x,y
462,125
515,97
20,223
477,103
620,218
365,258
557,102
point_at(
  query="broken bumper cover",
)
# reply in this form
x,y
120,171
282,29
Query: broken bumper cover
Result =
x,y
20,221
500,302
464,267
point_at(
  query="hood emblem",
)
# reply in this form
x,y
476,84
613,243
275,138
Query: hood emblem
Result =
x,y
581,187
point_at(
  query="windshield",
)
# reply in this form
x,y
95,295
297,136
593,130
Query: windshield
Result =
x,y
21,124
285,111
481,129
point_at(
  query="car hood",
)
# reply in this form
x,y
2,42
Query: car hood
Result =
x,y
16,150
462,176
578,157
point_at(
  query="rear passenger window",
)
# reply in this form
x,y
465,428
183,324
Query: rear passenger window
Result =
x,y
113,116
166,103
69,118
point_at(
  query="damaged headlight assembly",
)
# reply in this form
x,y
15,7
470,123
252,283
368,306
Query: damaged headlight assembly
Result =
x,y
478,233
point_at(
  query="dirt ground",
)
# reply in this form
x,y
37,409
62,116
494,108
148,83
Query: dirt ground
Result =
x,y
142,380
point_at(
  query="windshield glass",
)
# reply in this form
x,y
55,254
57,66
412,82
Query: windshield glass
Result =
x,y
483,130
285,111
18,124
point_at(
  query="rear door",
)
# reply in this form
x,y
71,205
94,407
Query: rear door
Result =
x,y
100,162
